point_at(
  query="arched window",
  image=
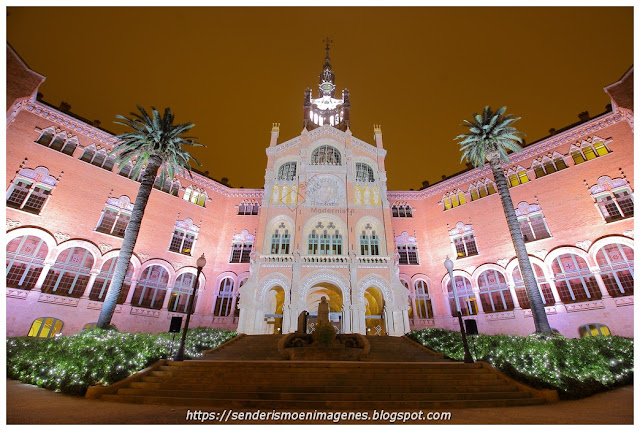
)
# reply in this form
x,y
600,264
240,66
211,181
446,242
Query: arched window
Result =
x,y
88,154
574,280
25,259
549,167
593,330
287,171
474,193
175,188
616,269
559,163
407,249
70,146
99,158
280,241
494,292
151,288
543,287
326,155
126,169
613,197
103,281
236,311
364,173
369,243
91,325
461,198
424,309
70,274
327,241
58,141
46,137
182,289
408,210
577,156
45,327
538,170
394,211
447,203
224,299
108,164
466,297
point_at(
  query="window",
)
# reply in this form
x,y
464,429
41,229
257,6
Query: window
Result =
x,y
195,196
369,242
532,222
91,325
184,237
364,173
224,299
280,240
103,281
543,287
248,208
169,186
516,177
454,199
463,240
325,240
407,248
45,327
616,269
574,280
326,155
59,142
25,260
593,330
559,163
481,190
115,216
466,297
98,158
241,247
287,171
613,198
588,151
151,288
401,210
30,190
424,308
494,292
70,274
182,289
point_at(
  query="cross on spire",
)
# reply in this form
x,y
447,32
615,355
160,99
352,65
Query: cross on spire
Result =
x,y
327,41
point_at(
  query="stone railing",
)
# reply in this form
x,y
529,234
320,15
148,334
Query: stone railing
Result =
x,y
276,258
324,258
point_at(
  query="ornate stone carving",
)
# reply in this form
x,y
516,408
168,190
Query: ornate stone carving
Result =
x,y
584,244
58,300
547,310
17,293
325,190
374,280
105,247
145,312
500,316
583,306
621,302
61,237
13,223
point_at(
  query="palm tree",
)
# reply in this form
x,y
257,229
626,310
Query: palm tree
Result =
x,y
490,136
157,143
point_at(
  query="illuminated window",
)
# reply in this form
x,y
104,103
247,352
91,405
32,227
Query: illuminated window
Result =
x,y
447,203
574,280
588,152
151,288
115,216
495,295
463,240
325,240
184,237
616,269
369,242
559,163
613,198
424,308
91,325
364,173
523,177
480,190
466,297
182,289
326,155
248,208
25,260
241,252
593,330
103,281
195,196
58,142
474,193
538,170
168,186
287,171
98,158
45,327
518,177
280,240
543,287
31,189
224,298
70,274
407,249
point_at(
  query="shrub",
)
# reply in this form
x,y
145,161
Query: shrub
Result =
x,y
73,363
575,367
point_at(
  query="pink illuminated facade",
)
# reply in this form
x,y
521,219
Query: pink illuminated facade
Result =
x,y
324,224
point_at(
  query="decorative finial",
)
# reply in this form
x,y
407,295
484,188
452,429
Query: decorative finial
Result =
x,y
377,129
275,128
327,41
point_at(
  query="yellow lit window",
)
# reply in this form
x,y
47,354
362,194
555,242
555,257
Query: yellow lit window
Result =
x,y
462,198
524,178
90,325
577,157
513,180
601,149
474,194
589,154
454,201
447,203
483,191
45,327
490,188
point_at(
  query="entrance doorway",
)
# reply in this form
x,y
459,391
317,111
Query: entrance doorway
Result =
x,y
334,298
275,303
374,313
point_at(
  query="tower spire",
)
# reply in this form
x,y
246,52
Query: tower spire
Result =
x,y
327,84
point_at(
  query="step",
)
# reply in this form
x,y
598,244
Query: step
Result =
x,y
330,396
184,371
227,388
321,364
247,404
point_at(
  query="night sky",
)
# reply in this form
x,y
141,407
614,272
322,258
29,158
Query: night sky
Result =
x,y
416,71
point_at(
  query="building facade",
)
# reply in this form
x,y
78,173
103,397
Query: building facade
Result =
x,y
323,225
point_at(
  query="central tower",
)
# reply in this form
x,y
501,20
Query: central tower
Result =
x,y
326,109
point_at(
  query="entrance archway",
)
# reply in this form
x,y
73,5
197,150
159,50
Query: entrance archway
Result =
x,y
274,303
374,312
334,298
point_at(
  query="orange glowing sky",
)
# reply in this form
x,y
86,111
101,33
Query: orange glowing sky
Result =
x,y
416,71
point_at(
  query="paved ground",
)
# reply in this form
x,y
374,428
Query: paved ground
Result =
x,y
28,404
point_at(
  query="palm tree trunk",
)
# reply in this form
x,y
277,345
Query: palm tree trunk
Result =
x,y
129,241
531,286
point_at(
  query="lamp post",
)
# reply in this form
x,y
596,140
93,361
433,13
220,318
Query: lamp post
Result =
x,y
467,354
201,263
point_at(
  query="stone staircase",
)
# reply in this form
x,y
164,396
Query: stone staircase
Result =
x,y
247,373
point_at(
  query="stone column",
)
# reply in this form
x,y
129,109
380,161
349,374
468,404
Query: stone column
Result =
x,y
516,303
405,317
601,285
346,319
132,290
41,277
92,279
